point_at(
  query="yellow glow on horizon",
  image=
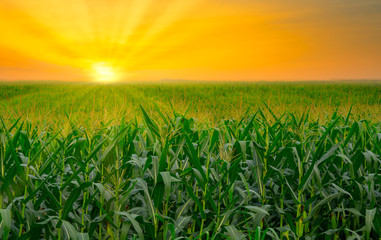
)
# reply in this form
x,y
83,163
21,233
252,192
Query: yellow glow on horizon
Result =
x,y
104,73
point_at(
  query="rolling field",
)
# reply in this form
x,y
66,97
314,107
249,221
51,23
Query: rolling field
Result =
x,y
190,161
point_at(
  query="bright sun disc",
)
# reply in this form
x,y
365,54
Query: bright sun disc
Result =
x,y
103,72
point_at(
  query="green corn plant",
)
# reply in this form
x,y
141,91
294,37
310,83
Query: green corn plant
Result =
x,y
168,176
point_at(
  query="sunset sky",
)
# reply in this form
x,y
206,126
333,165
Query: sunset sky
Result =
x,y
136,40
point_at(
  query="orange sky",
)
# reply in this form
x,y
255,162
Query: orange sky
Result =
x,y
190,39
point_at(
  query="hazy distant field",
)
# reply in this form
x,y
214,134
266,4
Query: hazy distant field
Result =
x,y
90,104
196,161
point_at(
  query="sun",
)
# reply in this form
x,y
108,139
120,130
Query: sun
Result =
x,y
103,72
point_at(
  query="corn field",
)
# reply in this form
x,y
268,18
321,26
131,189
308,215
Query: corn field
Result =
x,y
171,177
88,105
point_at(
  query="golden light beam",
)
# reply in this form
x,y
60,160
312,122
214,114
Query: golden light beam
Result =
x,y
173,10
128,26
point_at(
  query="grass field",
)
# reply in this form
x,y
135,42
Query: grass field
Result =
x,y
190,161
